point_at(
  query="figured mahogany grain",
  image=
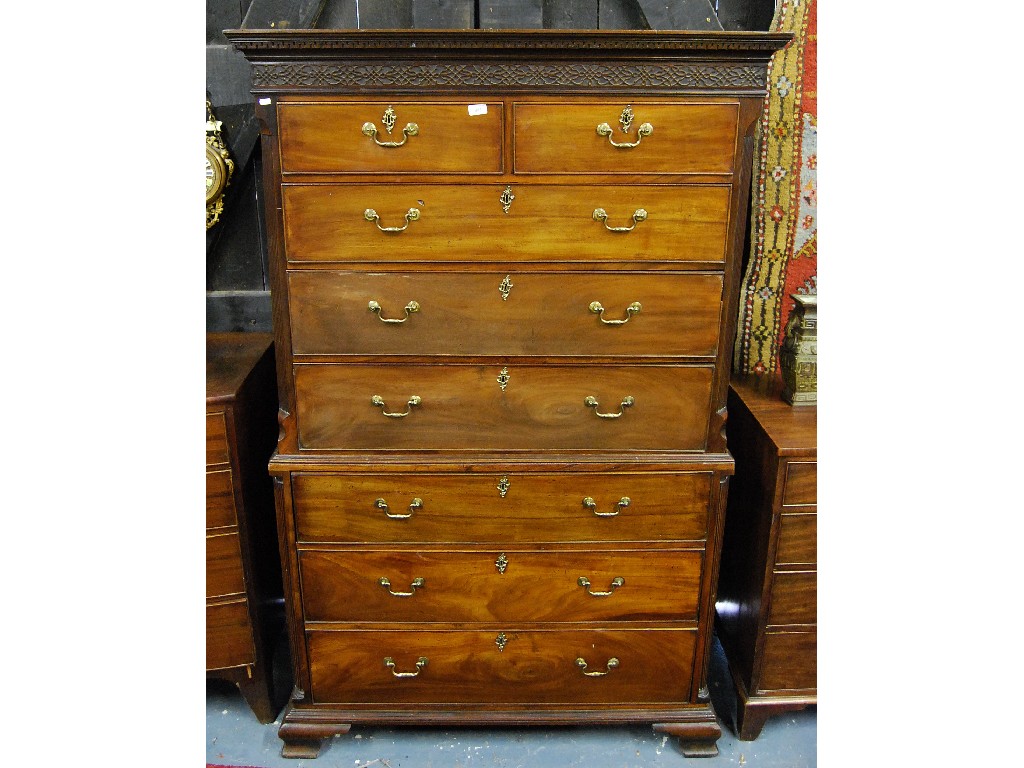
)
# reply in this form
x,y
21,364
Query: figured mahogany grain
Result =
x,y
463,407
229,640
790,661
467,507
801,483
545,223
655,665
798,539
343,585
687,138
794,598
224,575
216,439
328,138
543,314
220,499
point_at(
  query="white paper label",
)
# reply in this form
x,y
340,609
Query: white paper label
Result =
x,y
264,102
477,109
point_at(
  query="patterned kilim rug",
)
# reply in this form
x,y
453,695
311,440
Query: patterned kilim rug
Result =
x,y
784,229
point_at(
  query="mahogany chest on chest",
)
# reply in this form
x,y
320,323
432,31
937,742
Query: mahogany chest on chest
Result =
x,y
505,268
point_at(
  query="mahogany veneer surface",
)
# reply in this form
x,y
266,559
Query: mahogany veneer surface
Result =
x,y
496,503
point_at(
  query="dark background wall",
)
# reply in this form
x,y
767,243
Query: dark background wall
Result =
x,y
237,287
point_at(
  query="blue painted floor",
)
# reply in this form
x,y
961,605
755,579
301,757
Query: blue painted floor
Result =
x,y
235,737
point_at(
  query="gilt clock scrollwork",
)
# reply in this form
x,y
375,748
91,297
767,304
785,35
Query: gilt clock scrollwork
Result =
x,y
219,167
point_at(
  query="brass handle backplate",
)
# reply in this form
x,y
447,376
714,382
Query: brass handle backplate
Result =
x,y
421,662
383,505
584,582
411,215
590,504
591,402
417,583
600,214
369,129
625,120
411,307
415,400
612,664
598,309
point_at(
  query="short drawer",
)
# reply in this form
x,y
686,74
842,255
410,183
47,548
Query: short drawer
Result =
x,y
216,439
229,636
801,484
549,586
468,223
790,661
464,407
504,313
220,499
794,598
798,539
513,506
224,575
564,138
448,138
408,667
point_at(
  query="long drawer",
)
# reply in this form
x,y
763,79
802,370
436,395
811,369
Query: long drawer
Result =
x,y
224,574
545,223
449,137
507,667
220,499
540,407
532,586
790,661
794,598
798,539
229,635
517,507
453,313
685,138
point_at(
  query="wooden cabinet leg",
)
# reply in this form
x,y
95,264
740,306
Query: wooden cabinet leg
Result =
x,y
696,739
301,748
750,719
304,740
258,694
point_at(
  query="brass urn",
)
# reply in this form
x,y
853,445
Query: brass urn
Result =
x,y
799,356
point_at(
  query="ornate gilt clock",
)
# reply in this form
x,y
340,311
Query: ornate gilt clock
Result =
x,y
219,167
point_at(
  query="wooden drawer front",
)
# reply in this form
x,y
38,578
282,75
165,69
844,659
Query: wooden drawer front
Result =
x,y
216,439
224,565
801,483
229,636
328,138
463,407
654,665
798,539
468,508
220,499
563,138
794,598
790,661
544,314
459,223
345,585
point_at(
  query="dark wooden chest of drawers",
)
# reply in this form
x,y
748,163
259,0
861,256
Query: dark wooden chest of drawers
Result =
x,y
503,332
242,568
767,595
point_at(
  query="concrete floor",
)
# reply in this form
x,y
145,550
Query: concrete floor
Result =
x,y
235,737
